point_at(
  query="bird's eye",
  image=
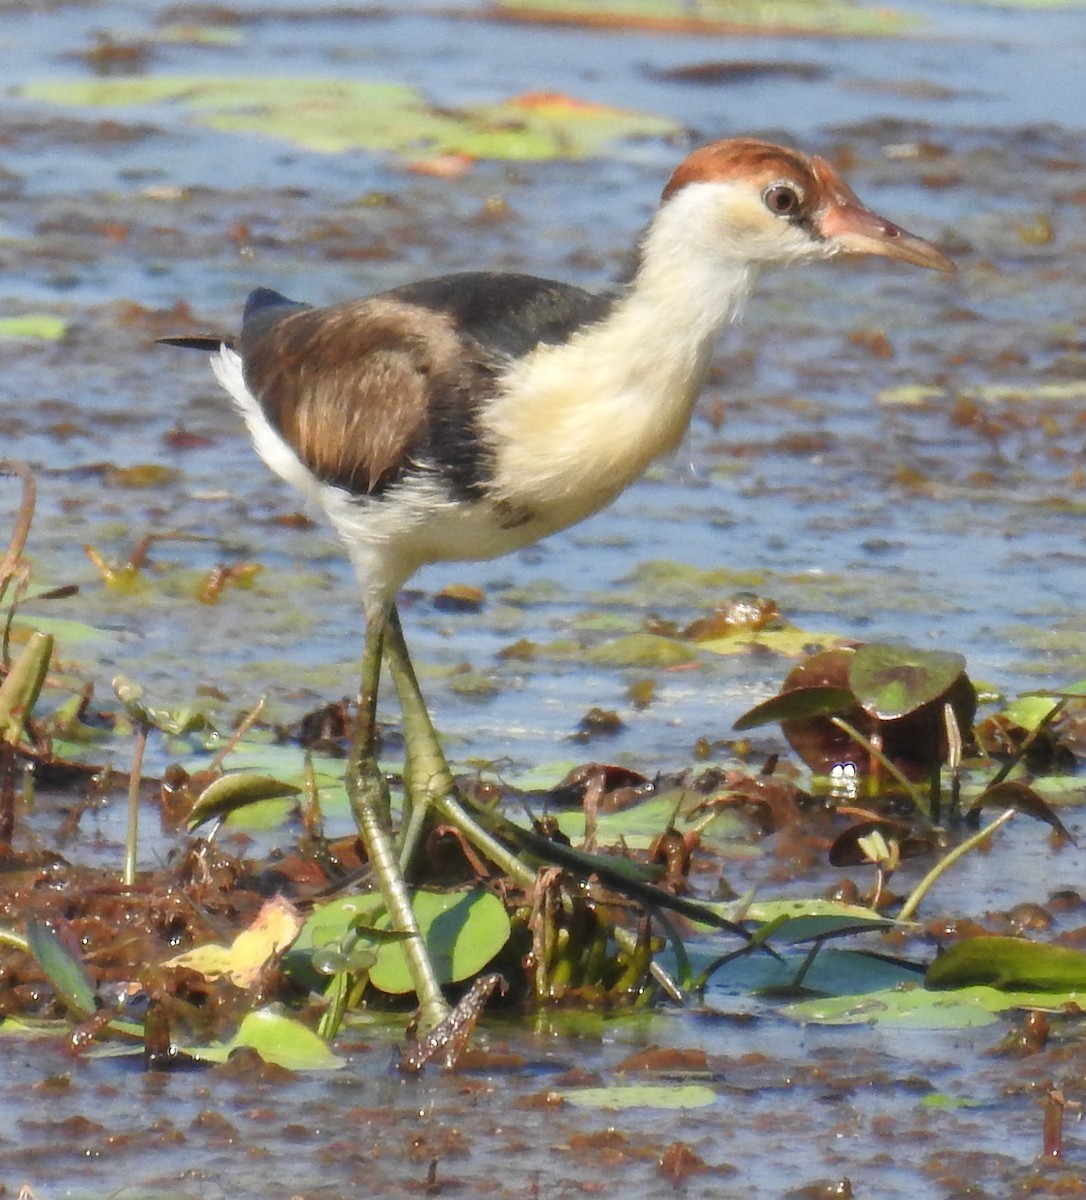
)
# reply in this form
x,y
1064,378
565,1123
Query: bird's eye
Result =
x,y
781,200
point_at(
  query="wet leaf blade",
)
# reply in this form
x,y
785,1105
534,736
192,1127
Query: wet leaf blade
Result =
x,y
1012,793
22,687
234,791
797,704
62,968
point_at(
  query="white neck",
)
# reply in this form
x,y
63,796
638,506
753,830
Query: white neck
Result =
x,y
577,423
680,299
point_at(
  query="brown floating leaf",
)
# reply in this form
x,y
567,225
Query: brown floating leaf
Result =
x,y
740,72
460,598
890,680
1013,794
680,1161
849,850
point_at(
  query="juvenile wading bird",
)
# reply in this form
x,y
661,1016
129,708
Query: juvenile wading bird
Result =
x,y
467,416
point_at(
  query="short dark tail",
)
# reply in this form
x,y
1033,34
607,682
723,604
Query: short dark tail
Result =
x,y
197,342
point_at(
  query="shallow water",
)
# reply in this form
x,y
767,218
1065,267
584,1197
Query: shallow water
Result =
x,y
940,522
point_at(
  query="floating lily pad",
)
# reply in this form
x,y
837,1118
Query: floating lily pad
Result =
x,y
684,1095
789,641
891,681
764,911
463,932
920,1008
334,116
639,825
1009,964
713,16
34,327
1029,712
278,1039
834,972
644,650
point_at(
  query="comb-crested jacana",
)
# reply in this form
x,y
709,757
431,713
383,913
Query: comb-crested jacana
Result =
x,y
466,416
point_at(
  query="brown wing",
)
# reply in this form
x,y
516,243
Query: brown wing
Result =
x,y
369,391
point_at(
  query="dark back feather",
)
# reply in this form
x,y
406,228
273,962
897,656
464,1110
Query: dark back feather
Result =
x,y
370,391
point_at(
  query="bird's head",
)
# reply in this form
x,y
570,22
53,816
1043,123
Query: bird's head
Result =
x,y
753,203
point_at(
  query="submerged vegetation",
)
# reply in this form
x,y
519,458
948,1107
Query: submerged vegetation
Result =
x,y
621,897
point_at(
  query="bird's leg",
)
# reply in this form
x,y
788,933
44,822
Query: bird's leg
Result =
x,y
426,772
368,795
428,782
363,775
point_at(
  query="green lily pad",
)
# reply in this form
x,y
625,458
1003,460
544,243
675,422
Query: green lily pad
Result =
x,y
834,972
332,921
463,932
919,1008
278,1039
799,704
333,116
710,16
789,642
641,650
951,1103
892,681
1010,964
68,632
677,1096
1030,711
639,825
765,912
34,327
809,927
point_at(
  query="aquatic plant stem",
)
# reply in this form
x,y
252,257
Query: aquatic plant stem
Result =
x,y
131,838
917,795
12,559
944,864
1026,743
